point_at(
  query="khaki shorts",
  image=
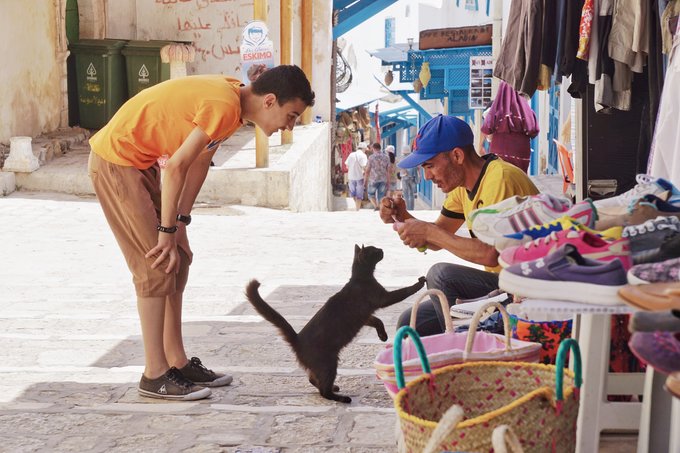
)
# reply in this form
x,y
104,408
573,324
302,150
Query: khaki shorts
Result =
x,y
131,200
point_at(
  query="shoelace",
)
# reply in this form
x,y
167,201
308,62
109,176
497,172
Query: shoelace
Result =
x,y
651,225
197,362
640,190
178,379
541,241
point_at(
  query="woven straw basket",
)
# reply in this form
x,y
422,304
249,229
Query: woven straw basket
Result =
x,y
451,348
540,402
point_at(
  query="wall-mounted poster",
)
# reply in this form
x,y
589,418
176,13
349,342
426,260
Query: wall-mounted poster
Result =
x,y
257,51
481,74
471,5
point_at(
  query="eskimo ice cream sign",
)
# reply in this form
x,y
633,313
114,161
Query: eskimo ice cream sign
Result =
x,y
257,50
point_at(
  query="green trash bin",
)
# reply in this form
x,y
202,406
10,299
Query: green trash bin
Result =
x,y
144,65
100,78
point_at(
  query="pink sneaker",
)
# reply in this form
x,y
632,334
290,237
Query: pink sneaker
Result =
x,y
589,246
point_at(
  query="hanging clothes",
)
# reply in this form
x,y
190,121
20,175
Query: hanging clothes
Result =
x,y
664,159
548,45
606,97
585,29
519,61
672,10
345,150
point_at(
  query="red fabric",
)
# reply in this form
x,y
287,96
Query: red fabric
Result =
x,y
345,150
377,123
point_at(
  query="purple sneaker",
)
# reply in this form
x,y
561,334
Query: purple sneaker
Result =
x,y
665,271
566,275
660,350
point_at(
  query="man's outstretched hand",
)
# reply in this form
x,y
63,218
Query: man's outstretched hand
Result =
x,y
393,209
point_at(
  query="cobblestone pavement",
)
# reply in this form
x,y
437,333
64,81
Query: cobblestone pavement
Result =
x,y
72,352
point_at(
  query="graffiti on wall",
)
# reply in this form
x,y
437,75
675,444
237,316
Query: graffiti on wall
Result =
x,y
213,26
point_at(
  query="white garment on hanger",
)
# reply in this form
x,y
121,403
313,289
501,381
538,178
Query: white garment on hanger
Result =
x,y
664,156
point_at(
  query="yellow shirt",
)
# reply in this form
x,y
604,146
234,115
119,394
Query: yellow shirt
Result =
x,y
158,119
498,180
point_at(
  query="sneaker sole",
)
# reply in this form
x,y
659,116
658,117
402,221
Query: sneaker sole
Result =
x,y
199,395
219,382
633,280
587,293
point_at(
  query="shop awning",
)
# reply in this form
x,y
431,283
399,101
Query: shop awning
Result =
x,y
347,14
393,54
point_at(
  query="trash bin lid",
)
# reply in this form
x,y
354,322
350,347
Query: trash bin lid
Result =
x,y
152,47
112,46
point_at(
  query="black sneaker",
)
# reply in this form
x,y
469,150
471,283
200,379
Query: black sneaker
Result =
x,y
172,386
199,374
646,239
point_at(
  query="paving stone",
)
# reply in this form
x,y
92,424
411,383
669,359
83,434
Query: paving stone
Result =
x,y
296,430
21,444
370,429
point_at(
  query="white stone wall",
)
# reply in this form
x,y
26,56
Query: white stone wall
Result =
x,y
31,80
215,28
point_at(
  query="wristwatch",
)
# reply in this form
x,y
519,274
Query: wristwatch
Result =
x,y
185,219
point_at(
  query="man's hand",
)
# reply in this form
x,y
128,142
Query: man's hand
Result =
x,y
414,233
165,249
393,210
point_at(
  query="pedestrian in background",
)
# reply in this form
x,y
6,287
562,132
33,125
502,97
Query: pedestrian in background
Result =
x,y
356,164
377,175
187,119
393,171
410,177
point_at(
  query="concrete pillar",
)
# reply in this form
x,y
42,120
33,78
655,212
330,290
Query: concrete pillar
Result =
x,y
286,50
261,139
306,12
322,47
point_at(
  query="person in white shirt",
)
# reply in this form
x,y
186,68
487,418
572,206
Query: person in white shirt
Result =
x,y
356,163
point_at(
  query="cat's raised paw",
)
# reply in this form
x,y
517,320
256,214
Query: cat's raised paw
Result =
x,y
422,280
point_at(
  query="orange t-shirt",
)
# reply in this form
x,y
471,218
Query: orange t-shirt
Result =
x,y
158,119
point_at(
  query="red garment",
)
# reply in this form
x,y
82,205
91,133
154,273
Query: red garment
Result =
x,y
584,30
345,150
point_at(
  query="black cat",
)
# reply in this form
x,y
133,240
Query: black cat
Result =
x,y
319,343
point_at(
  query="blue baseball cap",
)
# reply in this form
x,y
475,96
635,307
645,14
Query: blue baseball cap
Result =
x,y
442,133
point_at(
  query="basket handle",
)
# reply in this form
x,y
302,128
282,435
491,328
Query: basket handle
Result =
x,y
567,344
445,425
472,330
398,367
504,440
445,308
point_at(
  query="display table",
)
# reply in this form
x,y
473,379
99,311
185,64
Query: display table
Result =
x,y
592,330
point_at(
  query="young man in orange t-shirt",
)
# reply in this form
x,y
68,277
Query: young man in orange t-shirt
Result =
x,y
184,119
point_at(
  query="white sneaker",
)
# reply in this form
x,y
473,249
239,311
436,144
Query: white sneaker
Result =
x,y
618,205
489,224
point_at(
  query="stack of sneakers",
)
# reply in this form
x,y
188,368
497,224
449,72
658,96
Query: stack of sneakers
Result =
x,y
517,214
624,249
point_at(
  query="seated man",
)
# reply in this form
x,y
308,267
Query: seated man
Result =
x,y
444,148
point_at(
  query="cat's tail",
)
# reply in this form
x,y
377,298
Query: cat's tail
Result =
x,y
268,313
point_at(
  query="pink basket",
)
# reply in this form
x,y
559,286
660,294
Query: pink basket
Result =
x,y
450,348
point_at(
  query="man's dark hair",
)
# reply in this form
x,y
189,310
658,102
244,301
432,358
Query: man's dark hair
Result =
x,y
376,146
286,82
468,149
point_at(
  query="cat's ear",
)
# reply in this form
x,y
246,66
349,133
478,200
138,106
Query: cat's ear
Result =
x,y
356,249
